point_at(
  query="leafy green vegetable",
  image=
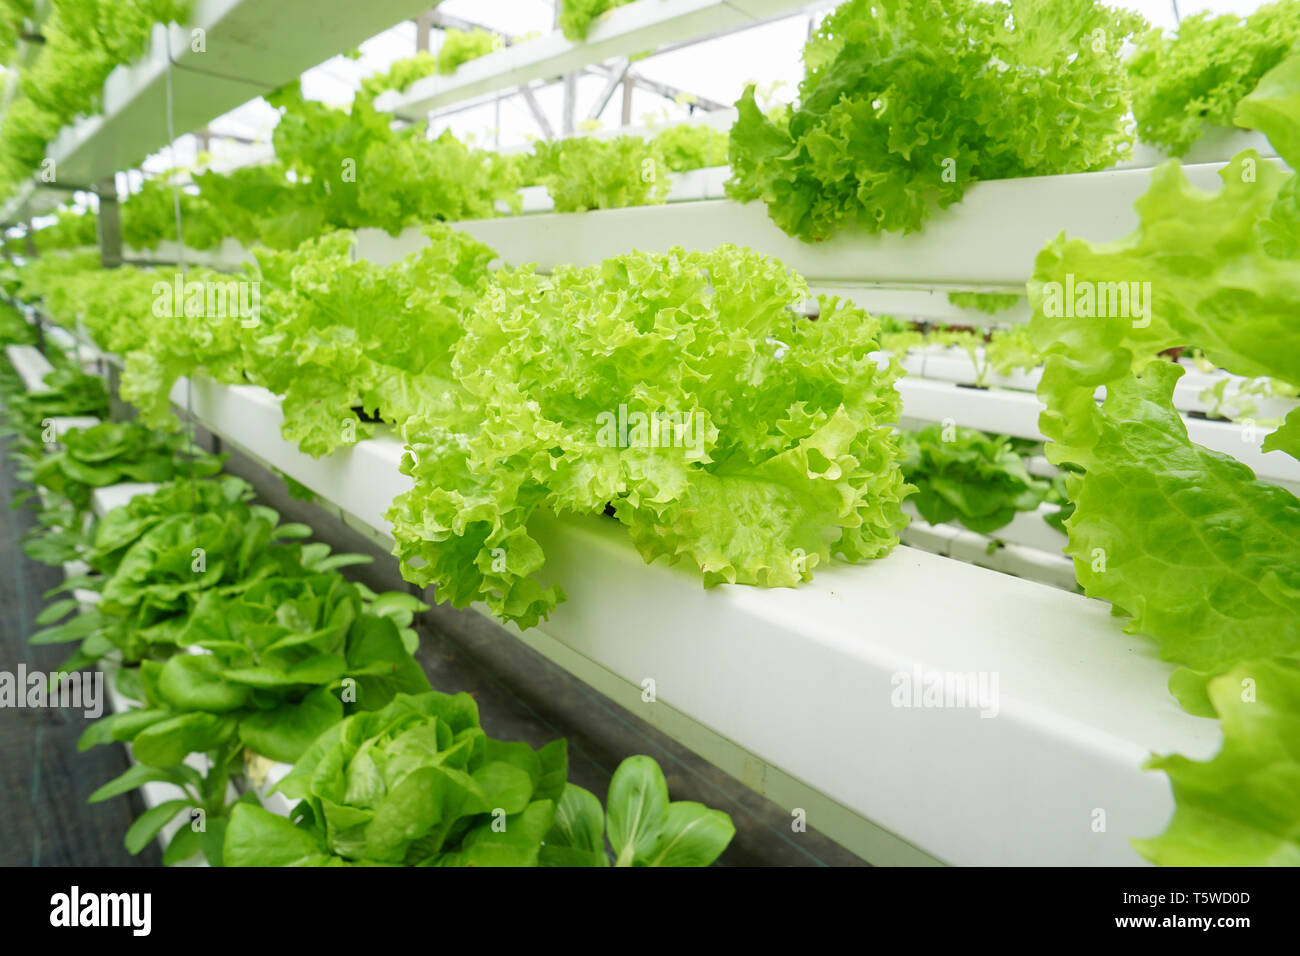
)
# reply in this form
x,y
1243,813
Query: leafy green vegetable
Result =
x,y
1187,543
1241,808
904,104
149,217
116,531
400,75
419,783
1134,449
1198,75
989,303
353,170
686,147
411,180
459,46
644,827
576,15
584,173
234,638
71,230
14,329
70,392
963,474
374,337
83,41
1012,349
111,453
764,443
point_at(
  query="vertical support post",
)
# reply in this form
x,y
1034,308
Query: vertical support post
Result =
x,y
110,223
423,30
568,127
628,86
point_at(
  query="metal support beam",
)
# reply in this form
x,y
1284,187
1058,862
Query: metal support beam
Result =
x,y
535,108
653,86
110,224
423,27
617,71
568,123
628,86
665,90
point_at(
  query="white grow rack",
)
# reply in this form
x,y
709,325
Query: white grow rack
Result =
x,y
792,690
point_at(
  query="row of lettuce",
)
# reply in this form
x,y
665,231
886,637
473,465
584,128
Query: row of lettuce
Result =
x,y
337,169
782,453
905,104
768,441
238,642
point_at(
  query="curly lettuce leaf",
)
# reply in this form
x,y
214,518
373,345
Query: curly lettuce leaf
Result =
x,y
584,173
1213,283
379,338
576,15
1202,555
773,447
904,104
1200,73
1242,808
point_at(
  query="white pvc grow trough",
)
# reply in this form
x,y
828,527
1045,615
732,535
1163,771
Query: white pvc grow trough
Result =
x,y
953,364
1012,412
31,366
790,689
953,250
1023,548
1027,528
691,186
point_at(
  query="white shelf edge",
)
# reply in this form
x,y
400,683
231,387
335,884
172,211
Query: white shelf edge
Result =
x,y
1015,413
31,366
952,250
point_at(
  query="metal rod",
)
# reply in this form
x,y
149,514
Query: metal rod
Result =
x,y
423,27
667,90
617,71
526,92
568,124
109,223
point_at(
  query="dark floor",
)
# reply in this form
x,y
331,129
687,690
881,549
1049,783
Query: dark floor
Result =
x,y
44,780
